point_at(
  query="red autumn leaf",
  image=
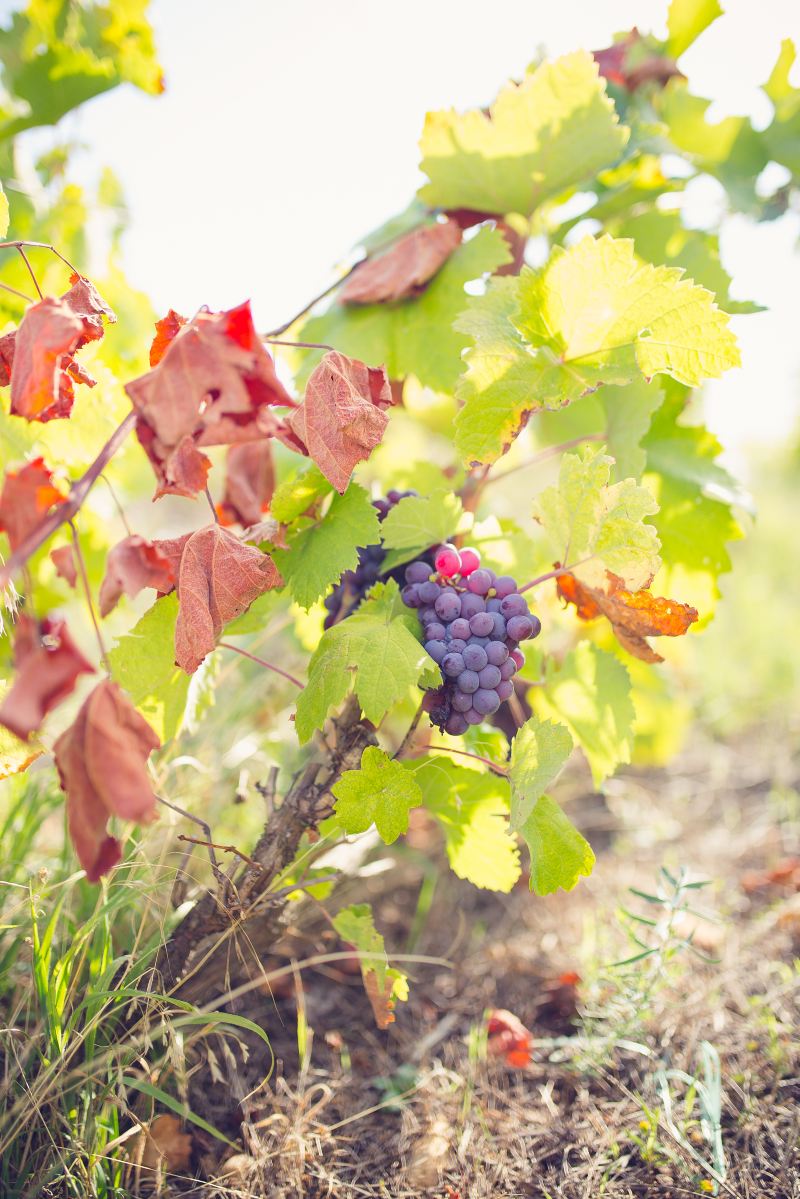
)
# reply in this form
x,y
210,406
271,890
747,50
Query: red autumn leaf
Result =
x,y
404,269
27,495
167,329
133,564
48,664
249,483
215,385
784,877
342,417
218,580
6,357
63,559
634,615
633,61
102,766
86,302
269,530
508,1037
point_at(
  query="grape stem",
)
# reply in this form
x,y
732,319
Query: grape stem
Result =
x,y
447,749
262,662
555,574
412,728
548,452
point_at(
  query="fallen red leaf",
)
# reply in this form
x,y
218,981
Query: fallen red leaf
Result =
x,y
405,269
167,329
634,615
785,876
102,766
48,664
63,559
342,417
249,483
27,495
218,580
215,385
133,564
508,1037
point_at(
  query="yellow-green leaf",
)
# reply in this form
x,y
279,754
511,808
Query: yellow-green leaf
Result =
x,y
559,854
380,792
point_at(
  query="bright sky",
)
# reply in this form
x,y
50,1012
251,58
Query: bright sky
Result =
x,y
288,130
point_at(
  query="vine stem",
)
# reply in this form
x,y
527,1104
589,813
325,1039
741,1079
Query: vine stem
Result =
x,y
64,513
87,591
39,245
464,753
555,574
31,271
548,452
212,505
412,728
300,345
262,662
275,333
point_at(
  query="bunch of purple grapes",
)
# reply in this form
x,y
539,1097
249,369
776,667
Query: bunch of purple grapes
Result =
x,y
473,621
354,584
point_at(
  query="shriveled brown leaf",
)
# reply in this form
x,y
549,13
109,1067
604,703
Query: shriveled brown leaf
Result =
x,y
28,495
85,301
342,417
133,564
249,483
7,342
215,385
629,63
381,1000
634,615
266,530
167,329
218,580
405,269
63,559
102,765
162,1144
48,664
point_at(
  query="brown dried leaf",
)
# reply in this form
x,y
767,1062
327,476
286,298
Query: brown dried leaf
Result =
x,y
63,559
102,766
634,615
342,417
162,1143
218,580
133,564
48,665
249,483
28,495
215,385
381,1001
167,329
85,301
405,269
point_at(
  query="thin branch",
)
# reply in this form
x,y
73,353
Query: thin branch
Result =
x,y
262,662
87,591
548,452
117,504
206,829
300,345
31,272
210,845
412,728
64,513
212,505
15,292
273,333
555,574
463,753
39,245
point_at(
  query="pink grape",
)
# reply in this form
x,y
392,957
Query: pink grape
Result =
x,y
470,561
518,658
448,561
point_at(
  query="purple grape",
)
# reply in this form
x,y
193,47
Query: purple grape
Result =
x,y
460,627
489,676
471,605
456,724
499,626
435,631
410,596
508,669
505,689
482,623
485,701
468,681
512,605
496,653
493,605
448,605
436,649
537,626
418,572
518,658
426,615
452,664
474,657
504,585
429,592
473,717
461,701
479,582
519,628
456,645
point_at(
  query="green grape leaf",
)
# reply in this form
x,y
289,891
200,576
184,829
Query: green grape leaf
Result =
x,y
628,413
686,20
594,314
381,792
383,983
297,494
3,213
542,136
375,651
782,135
417,522
559,854
319,554
411,337
143,663
594,526
591,693
538,753
472,809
